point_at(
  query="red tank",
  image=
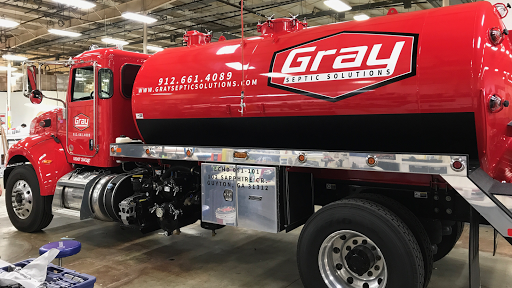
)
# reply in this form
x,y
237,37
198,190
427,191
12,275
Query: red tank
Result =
x,y
418,82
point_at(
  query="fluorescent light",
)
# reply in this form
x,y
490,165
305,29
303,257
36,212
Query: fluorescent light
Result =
x,y
361,17
76,3
227,49
14,57
4,68
138,17
114,41
238,66
154,48
64,33
276,75
337,5
16,74
8,23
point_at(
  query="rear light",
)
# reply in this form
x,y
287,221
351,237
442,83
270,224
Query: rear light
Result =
x,y
501,9
458,165
496,36
496,104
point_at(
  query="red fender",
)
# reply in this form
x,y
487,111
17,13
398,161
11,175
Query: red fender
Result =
x,y
46,156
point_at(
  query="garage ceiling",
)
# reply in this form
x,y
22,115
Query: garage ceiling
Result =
x,y
32,39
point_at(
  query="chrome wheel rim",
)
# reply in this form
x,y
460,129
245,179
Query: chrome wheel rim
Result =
x,y
22,199
349,259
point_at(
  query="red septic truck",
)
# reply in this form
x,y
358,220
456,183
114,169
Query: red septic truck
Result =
x,y
398,126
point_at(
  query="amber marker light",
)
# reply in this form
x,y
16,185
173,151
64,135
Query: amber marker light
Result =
x,y
112,149
47,161
118,150
148,152
302,158
241,154
371,161
189,153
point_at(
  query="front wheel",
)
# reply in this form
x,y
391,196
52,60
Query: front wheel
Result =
x,y
27,209
358,243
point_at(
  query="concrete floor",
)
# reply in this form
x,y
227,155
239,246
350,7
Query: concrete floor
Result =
x,y
233,258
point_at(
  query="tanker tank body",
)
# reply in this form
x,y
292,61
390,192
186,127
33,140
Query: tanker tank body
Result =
x,y
401,83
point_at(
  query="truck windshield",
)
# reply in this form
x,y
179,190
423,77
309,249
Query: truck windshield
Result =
x,y
83,84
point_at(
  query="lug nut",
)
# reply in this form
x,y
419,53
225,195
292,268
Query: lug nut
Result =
x,y
339,266
365,242
354,242
349,248
343,237
377,267
370,274
336,250
350,280
378,257
373,248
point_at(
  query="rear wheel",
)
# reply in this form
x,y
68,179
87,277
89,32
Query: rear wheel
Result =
x,y
449,241
413,223
27,209
358,243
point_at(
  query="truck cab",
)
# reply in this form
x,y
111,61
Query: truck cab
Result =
x,y
96,111
95,117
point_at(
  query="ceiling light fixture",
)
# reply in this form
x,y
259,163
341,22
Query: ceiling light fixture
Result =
x,y
11,57
154,48
76,3
64,33
114,41
138,17
5,68
337,5
361,17
8,23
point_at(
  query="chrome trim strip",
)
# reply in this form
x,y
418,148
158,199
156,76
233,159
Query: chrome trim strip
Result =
x,y
345,160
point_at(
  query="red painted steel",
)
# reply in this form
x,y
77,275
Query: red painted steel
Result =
x,y
401,64
451,70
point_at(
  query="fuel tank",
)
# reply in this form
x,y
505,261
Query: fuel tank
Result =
x,y
415,82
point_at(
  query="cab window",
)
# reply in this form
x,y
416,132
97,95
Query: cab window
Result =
x,y
106,83
128,74
83,84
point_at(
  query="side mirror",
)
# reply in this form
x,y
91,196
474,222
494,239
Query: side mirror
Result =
x,y
36,97
32,78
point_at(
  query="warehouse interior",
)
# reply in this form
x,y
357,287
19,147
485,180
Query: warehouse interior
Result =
x,y
55,32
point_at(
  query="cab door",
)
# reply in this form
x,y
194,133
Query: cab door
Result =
x,y
81,131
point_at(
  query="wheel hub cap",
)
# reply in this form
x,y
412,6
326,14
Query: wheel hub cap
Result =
x,y
22,199
360,260
349,259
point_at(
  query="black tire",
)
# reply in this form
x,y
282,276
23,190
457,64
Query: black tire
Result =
x,y
413,223
391,235
449,241
41,214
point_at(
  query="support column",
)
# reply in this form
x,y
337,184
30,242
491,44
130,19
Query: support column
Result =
x,y
8,112
145,39
474,248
